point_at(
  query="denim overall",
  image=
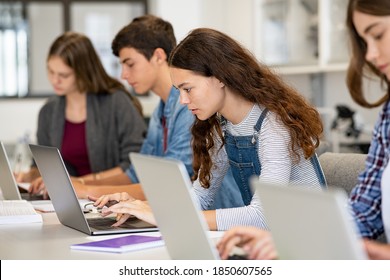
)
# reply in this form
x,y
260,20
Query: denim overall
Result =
x,y
242,152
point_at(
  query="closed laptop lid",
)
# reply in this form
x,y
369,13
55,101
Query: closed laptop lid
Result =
x,y
64,198
167,186
308,224
8,184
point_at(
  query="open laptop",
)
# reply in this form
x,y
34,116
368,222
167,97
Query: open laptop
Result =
x,y
308,224
9,187
167,187
65,202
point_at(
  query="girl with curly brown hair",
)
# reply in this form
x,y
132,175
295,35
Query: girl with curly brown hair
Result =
x,y
246,118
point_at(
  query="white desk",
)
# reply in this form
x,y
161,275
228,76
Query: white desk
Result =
x,y
52,240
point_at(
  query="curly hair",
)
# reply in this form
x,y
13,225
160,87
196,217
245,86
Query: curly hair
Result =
x,y
208,52
359,67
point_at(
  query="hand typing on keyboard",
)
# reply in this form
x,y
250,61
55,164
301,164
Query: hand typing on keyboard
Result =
x,y
125,207
254,242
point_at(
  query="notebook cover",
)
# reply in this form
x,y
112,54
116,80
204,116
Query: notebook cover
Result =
x,y
121,244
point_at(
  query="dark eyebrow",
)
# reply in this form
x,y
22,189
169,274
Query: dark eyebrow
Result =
x,y
371,26
181,85
125,60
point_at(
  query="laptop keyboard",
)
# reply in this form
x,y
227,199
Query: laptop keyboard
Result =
x,y
31,197
106,224
101,223
237,257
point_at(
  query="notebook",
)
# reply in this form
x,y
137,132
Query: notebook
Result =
x,y
121,244
65,202
307,224
167,187
18,212
8,185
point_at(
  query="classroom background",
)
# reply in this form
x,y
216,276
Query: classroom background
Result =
x,y
303,40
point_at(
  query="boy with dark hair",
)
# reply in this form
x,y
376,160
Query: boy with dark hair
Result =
x,y
143,48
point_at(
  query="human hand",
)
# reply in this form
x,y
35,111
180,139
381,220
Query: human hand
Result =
x,y
110,199
29,176
21,177
137,208
38,187
376,250
257,243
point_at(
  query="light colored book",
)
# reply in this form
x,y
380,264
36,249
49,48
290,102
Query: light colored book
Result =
x,y
121,244
44,206
18,212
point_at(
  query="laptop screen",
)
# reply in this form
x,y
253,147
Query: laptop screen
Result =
x,y
64,198
309,224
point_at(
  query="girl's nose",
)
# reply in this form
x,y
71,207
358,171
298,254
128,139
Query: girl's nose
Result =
x,y
372,52
184,98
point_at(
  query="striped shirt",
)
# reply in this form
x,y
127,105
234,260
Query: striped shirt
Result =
x,y
277,165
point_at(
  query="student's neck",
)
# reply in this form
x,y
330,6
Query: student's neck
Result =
x,y
236,108
163,85
76,107
76,100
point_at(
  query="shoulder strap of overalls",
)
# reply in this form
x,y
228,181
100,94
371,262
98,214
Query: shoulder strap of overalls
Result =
x,y
261,119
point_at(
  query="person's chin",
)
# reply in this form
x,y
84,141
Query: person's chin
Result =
x,y
140,90
201,117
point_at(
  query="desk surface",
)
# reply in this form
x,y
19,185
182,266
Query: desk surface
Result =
x,y
52,240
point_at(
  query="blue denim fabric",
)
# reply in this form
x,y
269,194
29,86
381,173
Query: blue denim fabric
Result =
x,y
244,161
320,174
228,195
243,157
178,121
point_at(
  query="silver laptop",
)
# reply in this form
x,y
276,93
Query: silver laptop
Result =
x,y
65,202
8,185
307,224
167,187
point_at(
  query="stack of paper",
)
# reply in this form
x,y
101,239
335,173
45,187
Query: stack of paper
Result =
x,y
18,212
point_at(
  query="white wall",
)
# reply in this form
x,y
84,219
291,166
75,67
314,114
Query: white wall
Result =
x,y
230,16
18,117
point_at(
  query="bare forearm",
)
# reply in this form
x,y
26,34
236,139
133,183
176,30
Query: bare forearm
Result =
x,y
83,191
114,176
211,219
28,176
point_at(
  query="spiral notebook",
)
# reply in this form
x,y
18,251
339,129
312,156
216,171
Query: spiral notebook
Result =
x,y
121,244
